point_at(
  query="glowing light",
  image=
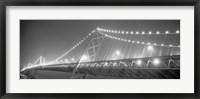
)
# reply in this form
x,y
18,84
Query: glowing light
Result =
x,y
106,63
150,48
156,61
177,31
143,32
139,62
118,52
131,32
150,32
85,58
73,60
139,42
167,32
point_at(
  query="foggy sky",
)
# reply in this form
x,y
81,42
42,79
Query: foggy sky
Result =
x,y
52,38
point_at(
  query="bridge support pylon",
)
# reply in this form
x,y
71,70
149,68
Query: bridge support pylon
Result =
x,y
90,51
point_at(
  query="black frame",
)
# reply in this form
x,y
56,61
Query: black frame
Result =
x,y
4,3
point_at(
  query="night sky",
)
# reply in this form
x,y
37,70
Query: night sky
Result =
x,y
52,38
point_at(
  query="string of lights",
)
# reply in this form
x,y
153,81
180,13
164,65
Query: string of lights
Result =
x,y
75,46
137,32
138,42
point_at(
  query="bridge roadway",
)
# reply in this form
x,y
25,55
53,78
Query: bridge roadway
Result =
x,y
167,67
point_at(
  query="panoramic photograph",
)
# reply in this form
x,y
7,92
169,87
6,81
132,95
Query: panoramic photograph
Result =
x,y
100,49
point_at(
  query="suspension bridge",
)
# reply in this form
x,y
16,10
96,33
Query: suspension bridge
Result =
x,y
121,63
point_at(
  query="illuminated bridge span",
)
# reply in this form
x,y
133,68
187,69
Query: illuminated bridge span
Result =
x,y
153,67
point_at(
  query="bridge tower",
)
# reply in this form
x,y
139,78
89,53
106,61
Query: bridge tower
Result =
x,y
91,51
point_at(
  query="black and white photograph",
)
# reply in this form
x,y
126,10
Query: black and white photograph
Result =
x,y
100,49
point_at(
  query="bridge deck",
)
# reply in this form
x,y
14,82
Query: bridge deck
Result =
x,y
126,68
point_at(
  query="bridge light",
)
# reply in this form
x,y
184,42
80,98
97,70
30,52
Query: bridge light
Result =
x,y
84,58
142,42
150,32
156,61
137,32
170,45
148,43
118,52
157,32
106,63
150,48
162,44
73,60
131,32
133,41
139,62
115,31
143,32
66,60
122,32
155,44
138,42
177,31
118,31
167,32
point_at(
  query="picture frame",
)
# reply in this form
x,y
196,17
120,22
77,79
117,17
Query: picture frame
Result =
x,y
3,85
